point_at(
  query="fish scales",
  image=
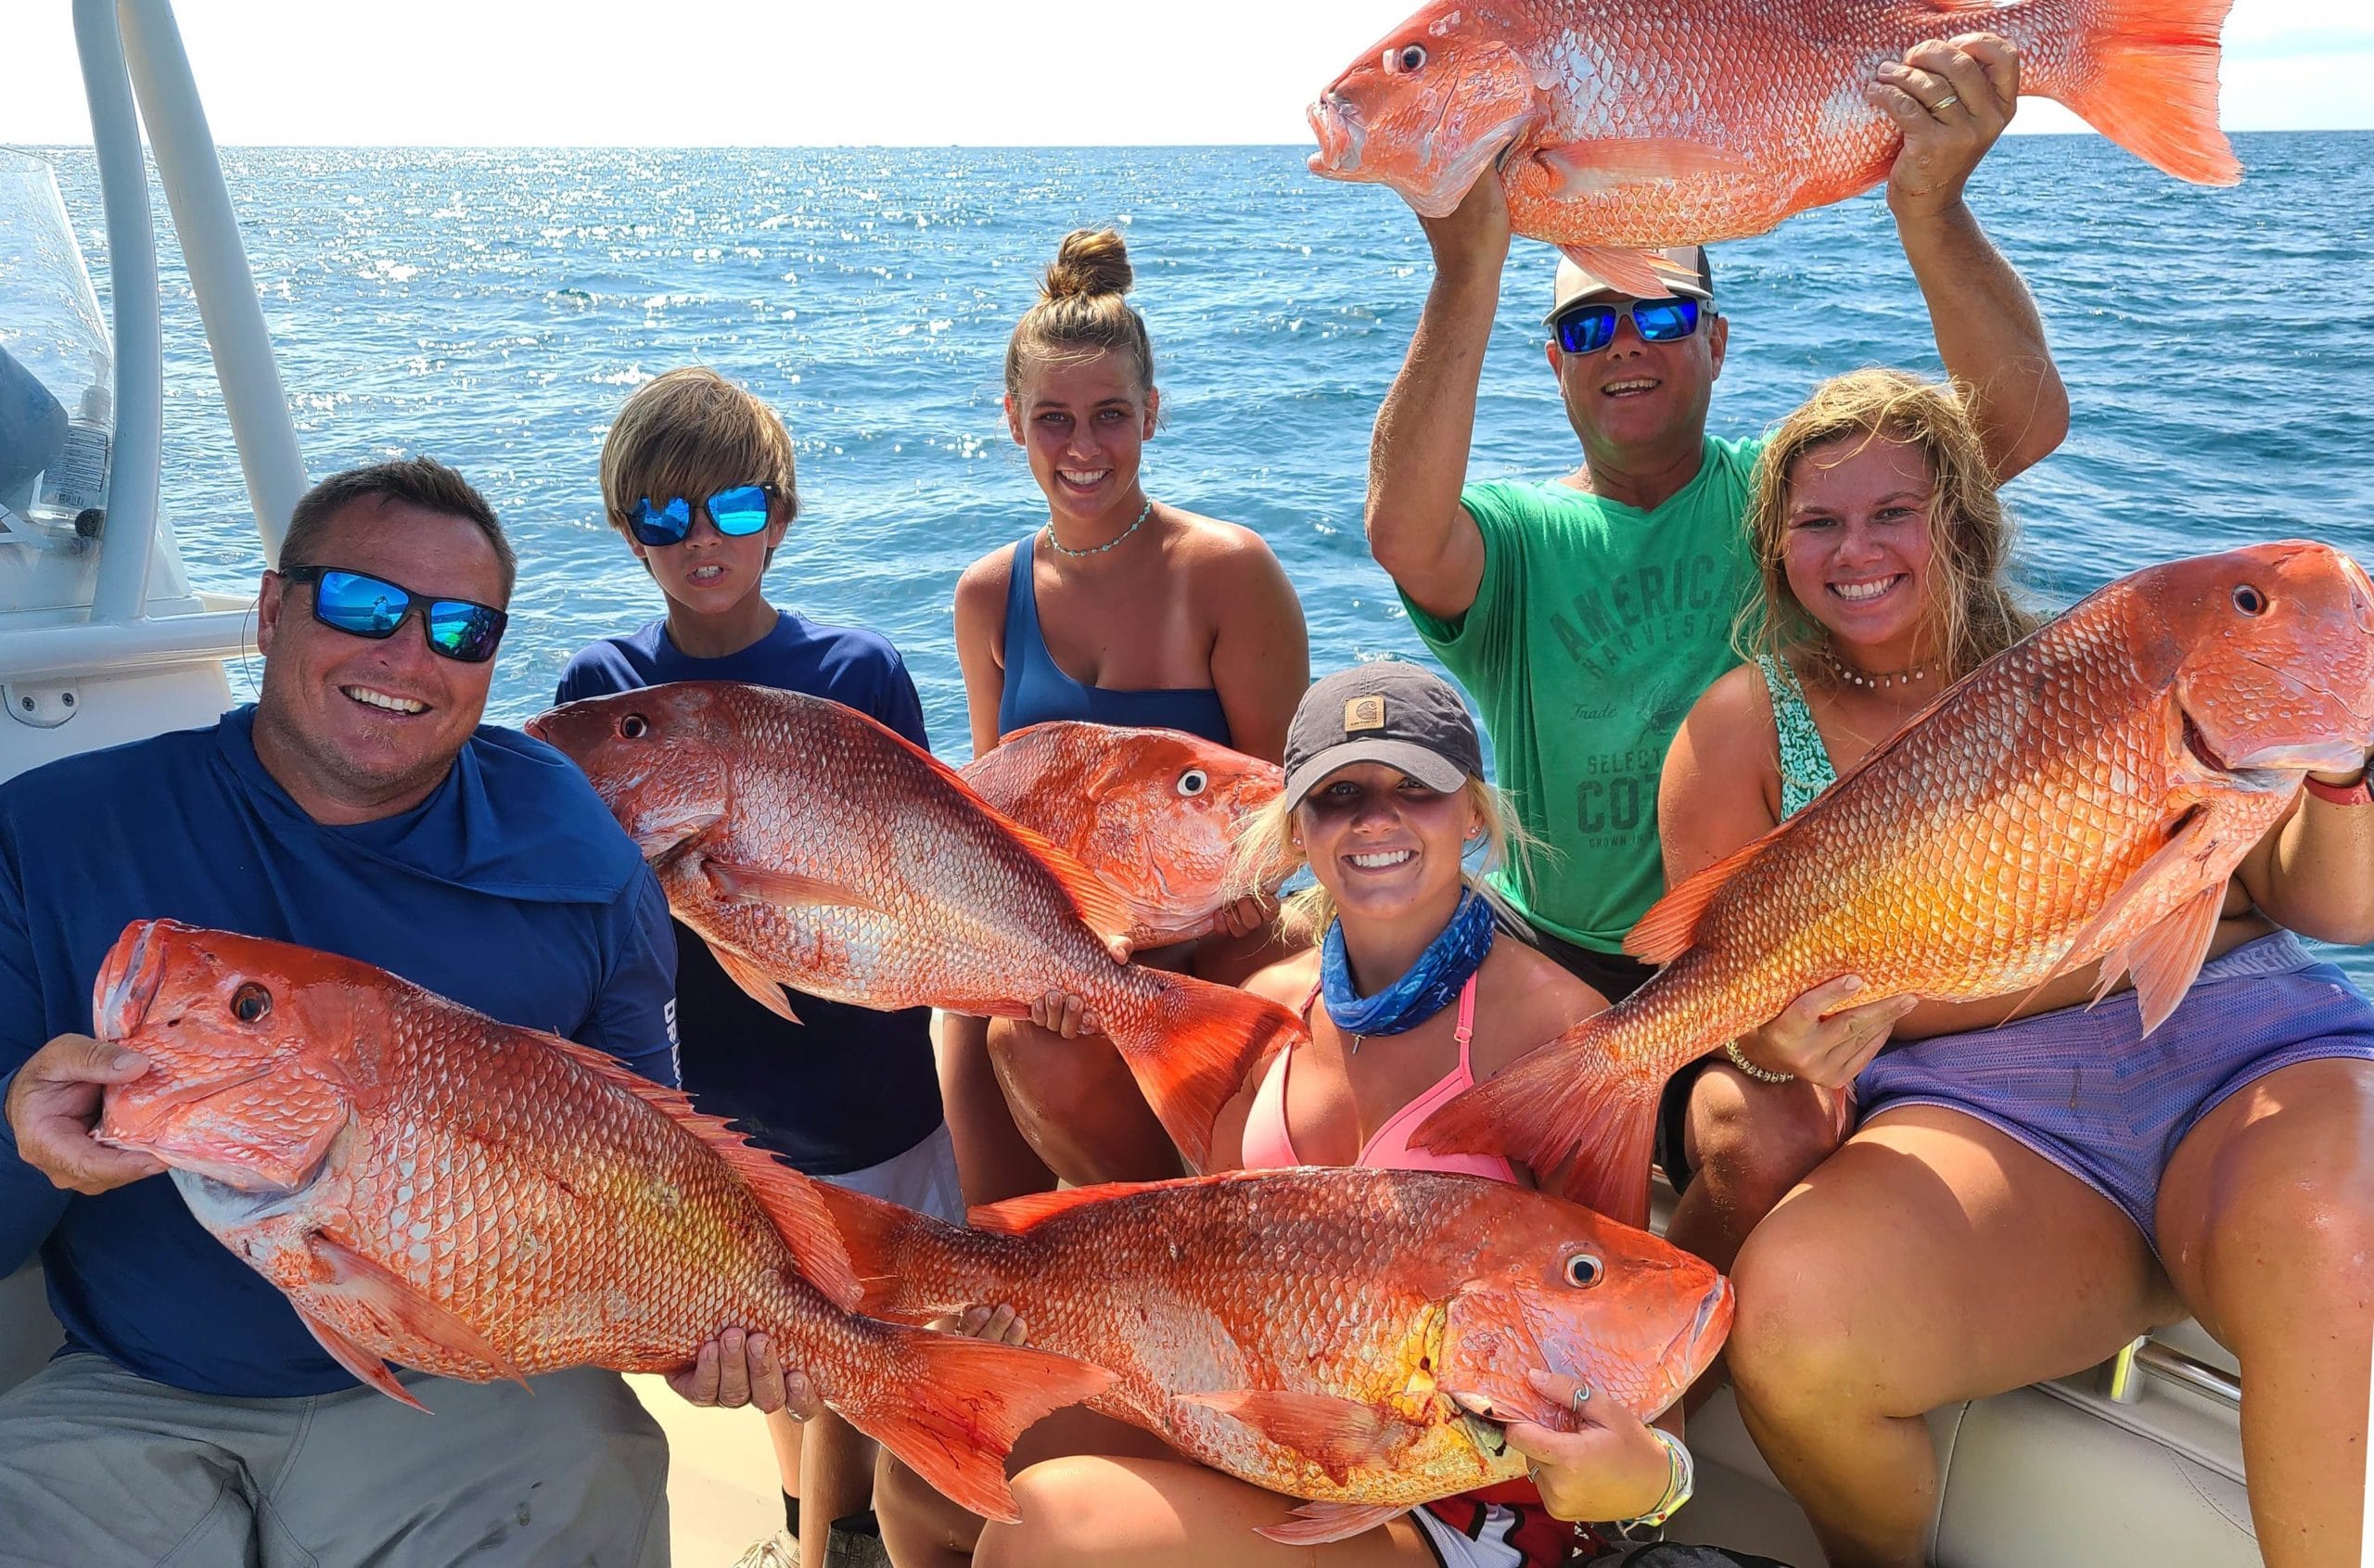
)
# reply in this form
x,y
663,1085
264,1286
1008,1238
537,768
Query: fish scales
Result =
x,y
1622,126
812,848
2079,796
1380,1290
432,1188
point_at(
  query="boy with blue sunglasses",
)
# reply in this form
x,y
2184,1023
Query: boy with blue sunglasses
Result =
x,y
696,477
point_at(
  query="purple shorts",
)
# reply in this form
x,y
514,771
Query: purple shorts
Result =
x,y
2084,1089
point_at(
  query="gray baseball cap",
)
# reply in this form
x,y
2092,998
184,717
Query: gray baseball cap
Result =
x,y
1384,711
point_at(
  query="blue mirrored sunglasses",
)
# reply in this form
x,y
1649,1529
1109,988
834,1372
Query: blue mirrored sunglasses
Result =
x,y
374,607
1588,327
737,513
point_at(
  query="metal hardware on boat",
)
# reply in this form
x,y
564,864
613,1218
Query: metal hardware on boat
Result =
x,y
2124,1375
2122,1379
44,706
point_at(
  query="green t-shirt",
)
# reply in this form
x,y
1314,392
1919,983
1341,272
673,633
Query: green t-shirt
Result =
x,y
1596,627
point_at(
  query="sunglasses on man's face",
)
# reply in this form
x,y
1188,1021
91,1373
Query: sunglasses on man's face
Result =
x,y
360,606
1588,327
737,513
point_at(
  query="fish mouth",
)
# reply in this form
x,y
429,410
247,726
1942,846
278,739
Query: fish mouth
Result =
x,y
535,728
128,981
1695,1346
1341,137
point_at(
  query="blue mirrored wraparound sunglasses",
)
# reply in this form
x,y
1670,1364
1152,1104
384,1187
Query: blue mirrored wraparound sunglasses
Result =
x,y
1587,328
362,606
737,513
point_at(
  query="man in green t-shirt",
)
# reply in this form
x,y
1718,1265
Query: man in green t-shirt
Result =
x,y
1585,614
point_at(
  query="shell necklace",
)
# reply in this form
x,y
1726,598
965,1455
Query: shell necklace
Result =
x,y
1872,680
1062,549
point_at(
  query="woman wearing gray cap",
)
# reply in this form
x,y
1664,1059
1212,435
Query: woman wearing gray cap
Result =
x,y
1384,799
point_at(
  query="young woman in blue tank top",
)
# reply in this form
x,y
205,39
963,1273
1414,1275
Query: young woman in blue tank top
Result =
x,y
1117,610
2023,1195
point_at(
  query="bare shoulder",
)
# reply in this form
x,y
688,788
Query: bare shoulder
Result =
x,y
985,580
1535,999
1210,545
1735,713
1288,981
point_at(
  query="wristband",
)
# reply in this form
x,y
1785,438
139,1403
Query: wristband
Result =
x,y
1680,1476
1761,1075
2358,794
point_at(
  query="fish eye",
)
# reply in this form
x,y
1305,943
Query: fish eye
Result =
x,y
250,1003
634,726
1410,56
1192,782
1583,1270
2249,600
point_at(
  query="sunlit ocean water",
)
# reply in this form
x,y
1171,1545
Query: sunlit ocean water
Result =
x,y
493,307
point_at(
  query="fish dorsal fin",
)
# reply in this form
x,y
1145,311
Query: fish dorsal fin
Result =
x,y
1338,1435
1671,925
787,1198
1016,1216
1638,273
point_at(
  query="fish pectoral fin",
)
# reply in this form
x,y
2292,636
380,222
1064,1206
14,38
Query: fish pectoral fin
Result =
x,y
756,982
1589,166
2124,936
1317,1523
365,1367
1670,926
1337,1434
403,1308
2165,958
791,889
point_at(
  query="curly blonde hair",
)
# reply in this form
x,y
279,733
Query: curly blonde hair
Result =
x,y
1969,534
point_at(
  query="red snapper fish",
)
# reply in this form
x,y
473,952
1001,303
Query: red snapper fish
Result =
x,y
2085,795
1305,1328
1155,813
812,848
1629,125
431,1188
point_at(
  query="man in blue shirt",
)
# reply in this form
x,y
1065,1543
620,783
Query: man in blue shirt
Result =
x,y
358,808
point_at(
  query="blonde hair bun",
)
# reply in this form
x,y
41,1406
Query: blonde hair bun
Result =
x,y
1089,262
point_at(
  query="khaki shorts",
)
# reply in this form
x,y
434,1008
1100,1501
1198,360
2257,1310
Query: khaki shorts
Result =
x,y
101,1467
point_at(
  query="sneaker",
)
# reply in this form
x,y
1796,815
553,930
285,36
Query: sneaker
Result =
x,y
778,1550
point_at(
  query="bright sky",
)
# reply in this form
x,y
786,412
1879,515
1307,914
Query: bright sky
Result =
x,y
795,73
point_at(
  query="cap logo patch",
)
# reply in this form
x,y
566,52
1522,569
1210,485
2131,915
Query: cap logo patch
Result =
x,y
1363,713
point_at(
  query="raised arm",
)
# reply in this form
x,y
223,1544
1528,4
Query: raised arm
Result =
x,y
1988,331
1417,530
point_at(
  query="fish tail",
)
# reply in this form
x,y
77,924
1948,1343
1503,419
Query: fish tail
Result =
x,y
909,1266
1191,1047
2144,73
1574,1111
950,1408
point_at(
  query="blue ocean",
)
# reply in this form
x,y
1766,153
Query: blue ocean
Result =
x,y
492,308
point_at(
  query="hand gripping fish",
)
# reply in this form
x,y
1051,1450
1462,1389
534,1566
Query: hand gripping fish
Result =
x,y
432,1188
2084,795
809,845
1154,813
1632,124
1304,1330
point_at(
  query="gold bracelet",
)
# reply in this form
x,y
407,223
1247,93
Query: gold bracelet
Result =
x,y
1761,1075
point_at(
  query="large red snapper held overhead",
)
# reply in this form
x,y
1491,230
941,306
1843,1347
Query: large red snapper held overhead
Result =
x,y
432,1188
2084,795
1305,1329
1634,125
1155,813
812,848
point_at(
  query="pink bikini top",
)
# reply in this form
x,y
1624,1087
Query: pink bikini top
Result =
x,y
1268,1145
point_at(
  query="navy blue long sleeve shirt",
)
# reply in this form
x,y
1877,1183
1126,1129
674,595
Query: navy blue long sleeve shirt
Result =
x,y
846,1087
510,889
